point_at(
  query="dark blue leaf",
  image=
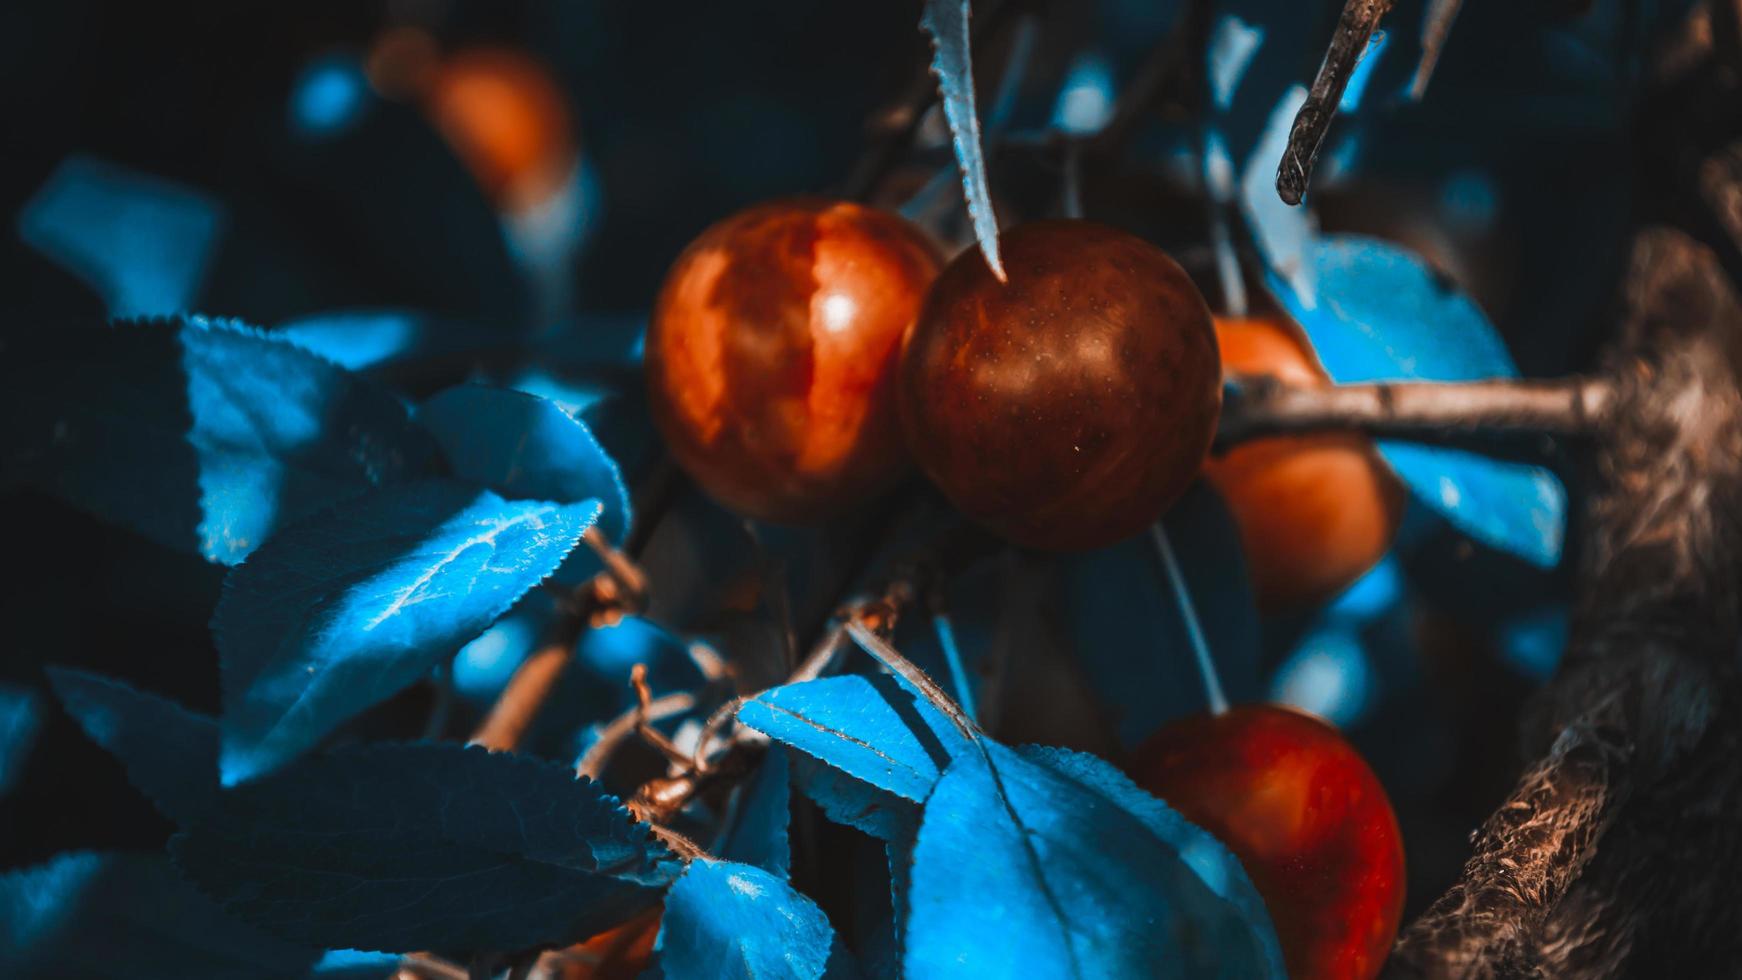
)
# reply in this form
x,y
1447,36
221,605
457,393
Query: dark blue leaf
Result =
x,y
142,242
729,920
1022,871
947,23
1377,313
1129,634
132,916
170,753
758,834
341,610
19,719
203,435
358,340
419,846
525,447
878,748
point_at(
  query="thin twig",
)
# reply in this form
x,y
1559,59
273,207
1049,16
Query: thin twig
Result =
x,y
631,582
428,966
880,648
1440,15
1258,407
644,723
525,693
598,755
1354,29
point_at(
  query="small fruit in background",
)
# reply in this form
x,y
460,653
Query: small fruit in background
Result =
x,y
1308,819
772,351
507,120
1067,408
621,953
1314,511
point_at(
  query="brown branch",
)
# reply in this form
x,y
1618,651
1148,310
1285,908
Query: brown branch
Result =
x,y
1262,406
1354,29
1617,852
524,695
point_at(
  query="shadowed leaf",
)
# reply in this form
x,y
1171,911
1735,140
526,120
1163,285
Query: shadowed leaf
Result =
x,y
128,915
418,846
204,435
169,752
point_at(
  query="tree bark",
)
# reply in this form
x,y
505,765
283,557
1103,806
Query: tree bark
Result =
x,y
1617,853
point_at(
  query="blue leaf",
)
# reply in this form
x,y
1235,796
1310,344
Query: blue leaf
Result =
x,y
1021,871
1208,858
1130,636
170,754
419,846
1233,44
881,748
947,23
19,718
525,447
204,435
1380,314
353,964
484,666
143,243
128,915
340,611
729,920
358,340
758,834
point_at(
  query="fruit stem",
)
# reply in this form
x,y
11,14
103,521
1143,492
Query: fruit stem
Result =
x,y
1213,696
946,634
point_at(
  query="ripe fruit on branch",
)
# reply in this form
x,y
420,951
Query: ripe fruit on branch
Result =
x,y
1308,820
772,351
1314,511
1070,406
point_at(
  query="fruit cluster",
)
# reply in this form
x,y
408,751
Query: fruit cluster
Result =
x,y
803,353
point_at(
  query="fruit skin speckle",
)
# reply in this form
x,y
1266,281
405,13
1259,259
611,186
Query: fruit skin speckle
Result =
x,y
1070,407
772,351
1309,821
